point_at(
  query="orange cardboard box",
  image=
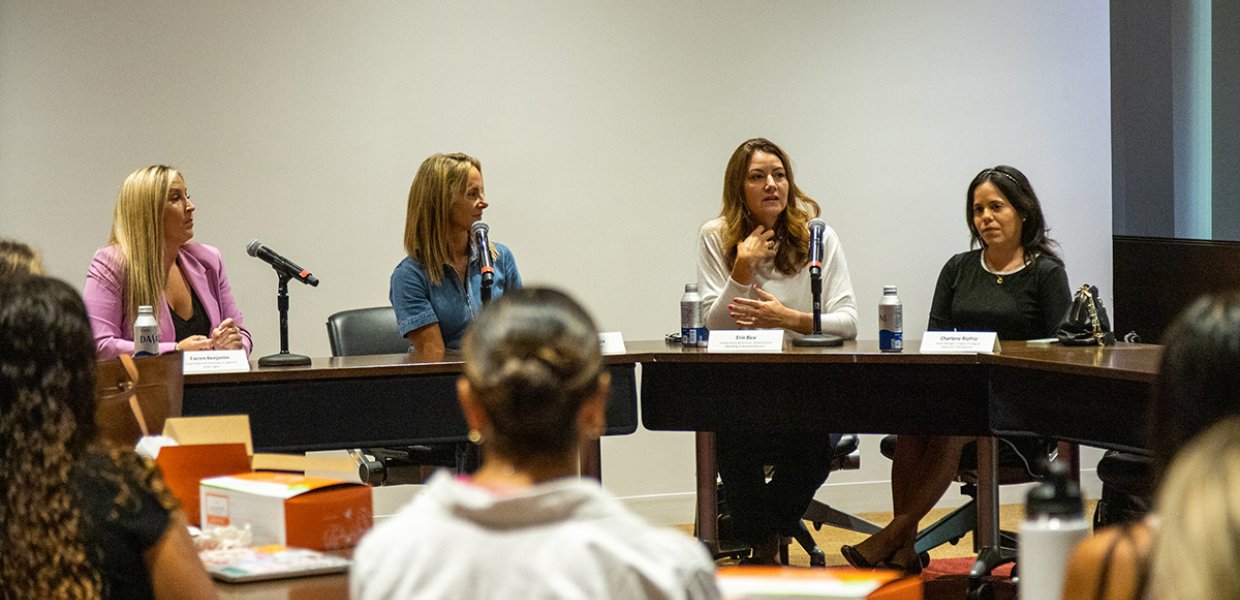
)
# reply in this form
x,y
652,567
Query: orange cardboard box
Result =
x,y
840,583
185,466
289,510
209,447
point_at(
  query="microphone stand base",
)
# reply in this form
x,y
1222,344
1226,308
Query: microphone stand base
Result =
x,y
283,359
820,340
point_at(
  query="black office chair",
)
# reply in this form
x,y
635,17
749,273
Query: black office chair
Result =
x,y
363,331
1021,460
844,457
1127,488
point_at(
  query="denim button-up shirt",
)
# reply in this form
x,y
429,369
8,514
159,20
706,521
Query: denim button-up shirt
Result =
x,y
418,303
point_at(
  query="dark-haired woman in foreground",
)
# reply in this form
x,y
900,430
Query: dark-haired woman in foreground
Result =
x,y
78,519
524,525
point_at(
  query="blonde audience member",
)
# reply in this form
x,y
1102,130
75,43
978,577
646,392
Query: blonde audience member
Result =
x,y
524,525
1196,553
16,257
151,260
79,519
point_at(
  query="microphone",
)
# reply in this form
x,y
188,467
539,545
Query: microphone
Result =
x,y
817,229
279,263
482,245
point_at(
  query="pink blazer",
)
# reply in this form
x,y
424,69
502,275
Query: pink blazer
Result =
x,y
105,299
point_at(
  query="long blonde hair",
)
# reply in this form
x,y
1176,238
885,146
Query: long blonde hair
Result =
x,y
1197,545
792,227
138,232
440,179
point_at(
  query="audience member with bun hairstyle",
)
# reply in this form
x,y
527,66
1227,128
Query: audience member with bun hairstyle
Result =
x,y
525,525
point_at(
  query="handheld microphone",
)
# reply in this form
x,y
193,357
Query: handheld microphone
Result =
x,y
817,228
279,263
482,246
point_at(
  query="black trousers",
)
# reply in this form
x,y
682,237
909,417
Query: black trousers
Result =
x,y
762,508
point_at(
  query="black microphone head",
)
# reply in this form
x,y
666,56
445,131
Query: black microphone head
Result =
x,y
252,247
479,227
817,223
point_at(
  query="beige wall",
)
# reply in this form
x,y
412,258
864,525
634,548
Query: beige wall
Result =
x,y
603,127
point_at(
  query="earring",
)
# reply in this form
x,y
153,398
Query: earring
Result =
x,y
475,436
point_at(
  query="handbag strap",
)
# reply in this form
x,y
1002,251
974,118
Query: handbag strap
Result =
x,y
1093,314
131,370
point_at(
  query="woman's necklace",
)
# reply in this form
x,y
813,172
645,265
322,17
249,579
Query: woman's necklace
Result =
x,y
996,272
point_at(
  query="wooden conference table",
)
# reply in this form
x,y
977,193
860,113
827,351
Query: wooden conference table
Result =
x,y
1090,395
368,401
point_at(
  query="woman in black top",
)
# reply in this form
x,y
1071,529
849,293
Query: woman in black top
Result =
x,y
1014,284
78,518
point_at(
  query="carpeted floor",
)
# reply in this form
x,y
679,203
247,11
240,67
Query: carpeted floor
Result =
x,y
947,575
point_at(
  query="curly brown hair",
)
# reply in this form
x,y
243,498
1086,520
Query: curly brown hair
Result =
x,y
47,386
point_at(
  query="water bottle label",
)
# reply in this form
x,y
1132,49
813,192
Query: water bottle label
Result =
x,y
890,341
694,336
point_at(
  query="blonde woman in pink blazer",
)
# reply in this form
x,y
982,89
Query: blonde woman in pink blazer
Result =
x,y
150,260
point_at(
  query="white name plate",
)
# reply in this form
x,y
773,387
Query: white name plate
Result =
x,y
960,342
746,340
214,361
611,342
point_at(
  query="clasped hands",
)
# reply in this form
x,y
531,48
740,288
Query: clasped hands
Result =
x,y
767,312
225,337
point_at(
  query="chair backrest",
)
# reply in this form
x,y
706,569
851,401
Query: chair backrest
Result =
x,y
365,331
159,393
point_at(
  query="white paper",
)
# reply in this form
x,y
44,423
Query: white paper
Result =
x,y
746,340
611,342
214,361
960,342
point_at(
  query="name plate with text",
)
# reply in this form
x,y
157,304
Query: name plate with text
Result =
x,y
611,342
214,361
746,340
960,342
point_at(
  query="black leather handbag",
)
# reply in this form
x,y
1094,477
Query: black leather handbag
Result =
x,y
1087,323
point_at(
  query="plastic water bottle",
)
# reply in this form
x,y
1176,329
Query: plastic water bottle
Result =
x,y
692,330
145,332
1054,523
890,321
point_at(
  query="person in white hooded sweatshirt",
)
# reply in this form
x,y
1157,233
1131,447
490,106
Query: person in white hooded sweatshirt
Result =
x,y
524,525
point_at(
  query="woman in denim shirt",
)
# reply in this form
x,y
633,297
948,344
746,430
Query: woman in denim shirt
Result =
x,y
437,288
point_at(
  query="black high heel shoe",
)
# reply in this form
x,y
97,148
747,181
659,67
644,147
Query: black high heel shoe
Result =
x,y
854,558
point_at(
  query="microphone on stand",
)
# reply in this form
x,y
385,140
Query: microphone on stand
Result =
x,y
482,246
285,270
282,265
817,231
